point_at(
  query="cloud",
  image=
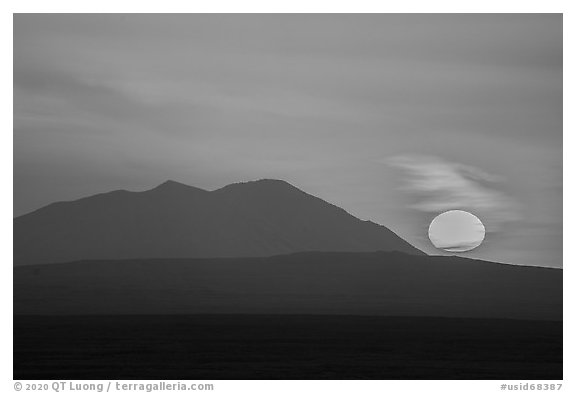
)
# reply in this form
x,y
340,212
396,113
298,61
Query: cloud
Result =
x,y
457,245
441,185
460,247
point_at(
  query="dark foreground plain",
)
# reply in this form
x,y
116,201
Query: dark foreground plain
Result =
x,y
284,347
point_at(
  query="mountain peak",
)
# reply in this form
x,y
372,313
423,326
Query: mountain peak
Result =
x,y
171,185
260,184
269,183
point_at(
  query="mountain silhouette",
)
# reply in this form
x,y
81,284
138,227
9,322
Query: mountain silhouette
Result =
x,y
318,283
174,220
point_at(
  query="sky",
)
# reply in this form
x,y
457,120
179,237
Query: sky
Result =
x,y
395,118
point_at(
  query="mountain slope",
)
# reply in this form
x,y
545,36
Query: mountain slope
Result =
x,y
376,283
173,220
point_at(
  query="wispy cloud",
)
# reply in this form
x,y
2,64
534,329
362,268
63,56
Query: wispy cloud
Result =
x,y
457,246
442,185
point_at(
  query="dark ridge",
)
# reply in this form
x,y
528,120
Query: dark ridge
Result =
x,y
378,283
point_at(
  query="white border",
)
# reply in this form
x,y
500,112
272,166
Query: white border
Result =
x,y
259,6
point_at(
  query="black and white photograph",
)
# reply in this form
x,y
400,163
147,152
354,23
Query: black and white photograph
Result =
x,y
288,196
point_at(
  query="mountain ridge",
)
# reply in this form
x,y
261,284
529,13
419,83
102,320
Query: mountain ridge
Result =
x,y
453,258
257,218
336,283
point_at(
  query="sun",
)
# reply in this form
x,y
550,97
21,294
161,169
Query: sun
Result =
x,y
456,231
